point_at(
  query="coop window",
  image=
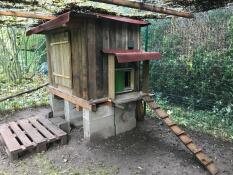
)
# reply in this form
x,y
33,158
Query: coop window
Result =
x,y
124,80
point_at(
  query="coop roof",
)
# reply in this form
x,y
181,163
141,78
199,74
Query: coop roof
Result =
x,y
125,56
74,19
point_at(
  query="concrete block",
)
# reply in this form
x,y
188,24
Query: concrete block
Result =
x,y
57,105
125,119
73,116
61,123
99,124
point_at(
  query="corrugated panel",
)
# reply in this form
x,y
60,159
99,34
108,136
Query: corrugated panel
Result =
x,y
125,56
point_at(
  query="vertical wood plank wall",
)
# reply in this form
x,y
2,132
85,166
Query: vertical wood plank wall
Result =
x,y
89,65
59,59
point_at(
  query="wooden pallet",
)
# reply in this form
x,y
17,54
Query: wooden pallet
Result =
x,y
32,134
184,138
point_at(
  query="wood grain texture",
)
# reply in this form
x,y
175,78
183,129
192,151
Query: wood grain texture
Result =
x,y
106,44
91,57
84,60
99,60
111,76
76,52
61,59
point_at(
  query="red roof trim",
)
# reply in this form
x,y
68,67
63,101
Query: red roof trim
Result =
x,y
125,56
67,17
52,24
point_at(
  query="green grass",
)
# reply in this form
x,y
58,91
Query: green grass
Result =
x,y
37,98
217,125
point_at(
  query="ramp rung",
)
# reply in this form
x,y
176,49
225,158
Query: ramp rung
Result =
x,y
182,133
155,108
184,138
198,151
164,117
171,125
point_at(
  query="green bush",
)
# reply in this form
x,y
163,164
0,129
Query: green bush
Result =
x,y
196,68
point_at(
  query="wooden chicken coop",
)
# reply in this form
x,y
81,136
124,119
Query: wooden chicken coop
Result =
x,y
95,70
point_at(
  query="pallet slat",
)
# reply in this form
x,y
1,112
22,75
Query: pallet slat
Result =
x,y
32,132
55,130
9,139
42,129
21,135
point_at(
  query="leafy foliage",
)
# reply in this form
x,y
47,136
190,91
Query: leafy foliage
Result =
x,y
194,78
196,65
20,55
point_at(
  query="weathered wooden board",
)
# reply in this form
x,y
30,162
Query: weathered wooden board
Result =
x,y
60,53
111,76
84,61
50,137
31,131
21,135
54,129
76,61
91,57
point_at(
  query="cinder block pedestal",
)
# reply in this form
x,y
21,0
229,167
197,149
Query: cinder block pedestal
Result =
x,y
72,116
61,123
57,105
99,124
125,119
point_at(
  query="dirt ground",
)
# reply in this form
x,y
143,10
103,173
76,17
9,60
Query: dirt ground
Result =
x,y
149,149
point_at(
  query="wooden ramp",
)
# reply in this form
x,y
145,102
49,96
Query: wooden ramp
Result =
x,y
32,134
184,138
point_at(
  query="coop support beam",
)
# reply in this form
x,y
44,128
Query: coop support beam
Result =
x,y
111,76
147,7
26,14
73,99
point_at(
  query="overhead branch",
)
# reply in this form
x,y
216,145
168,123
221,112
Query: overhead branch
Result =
x,y
26,14
147,7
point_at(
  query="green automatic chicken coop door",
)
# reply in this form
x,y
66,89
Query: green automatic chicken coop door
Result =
x,y
123,78
119,81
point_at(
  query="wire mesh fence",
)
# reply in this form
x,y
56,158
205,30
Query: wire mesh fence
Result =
x,y
22,66
196,66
